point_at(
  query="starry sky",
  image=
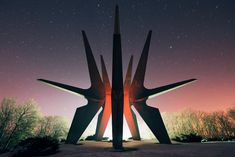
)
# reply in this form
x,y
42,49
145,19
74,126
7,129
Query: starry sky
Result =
x,y
191,39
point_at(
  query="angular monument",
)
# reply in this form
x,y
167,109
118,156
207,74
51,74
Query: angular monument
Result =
x,y
119,99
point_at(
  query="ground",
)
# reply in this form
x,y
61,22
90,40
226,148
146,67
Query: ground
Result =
x,y
146,149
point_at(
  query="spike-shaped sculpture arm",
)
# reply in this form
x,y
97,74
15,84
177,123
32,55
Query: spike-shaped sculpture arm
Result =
x,y
138,80
105,74
105,114
127,82
128,113
81,120
64,87
150,93
153,119
96,82
164,89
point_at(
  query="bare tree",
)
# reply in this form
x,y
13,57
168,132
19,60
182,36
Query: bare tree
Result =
x,y
7,110
208,125
54,126
20,122
231,113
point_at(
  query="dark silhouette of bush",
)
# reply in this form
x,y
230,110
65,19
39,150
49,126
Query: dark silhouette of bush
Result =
x,y
105,138
4,151
37,146
219,139
93,138
188,138
90,138
130,138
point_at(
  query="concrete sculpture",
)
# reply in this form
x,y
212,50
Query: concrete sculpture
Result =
x,y
119,98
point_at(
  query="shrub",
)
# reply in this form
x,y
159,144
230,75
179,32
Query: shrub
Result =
x,y
37,146
188,138
90,138
54,126
105,138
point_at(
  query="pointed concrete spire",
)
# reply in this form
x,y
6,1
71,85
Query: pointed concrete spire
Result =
x,y
141,68
128,112
105,114
104,74
116,22
127,82
117,86
96,82
93,70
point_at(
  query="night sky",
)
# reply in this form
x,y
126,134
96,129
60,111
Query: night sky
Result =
x,y
191,39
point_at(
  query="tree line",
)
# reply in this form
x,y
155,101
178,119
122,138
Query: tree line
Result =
x,y
217,125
